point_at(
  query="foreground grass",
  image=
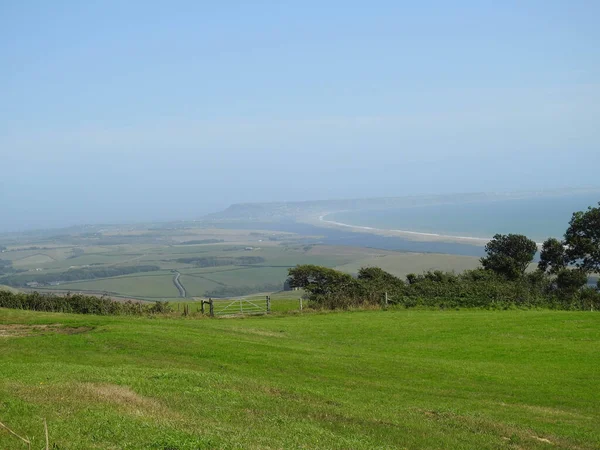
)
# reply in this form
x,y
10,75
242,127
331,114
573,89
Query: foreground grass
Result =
x,y
387,379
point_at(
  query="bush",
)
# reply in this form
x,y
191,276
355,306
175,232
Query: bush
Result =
x,y
78,304
480,288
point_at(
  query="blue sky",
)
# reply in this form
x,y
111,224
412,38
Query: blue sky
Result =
x,y
122,111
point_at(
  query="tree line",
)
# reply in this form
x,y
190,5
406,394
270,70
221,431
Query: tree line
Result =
x,y
201,241
79,304
503,281
84,273
218,261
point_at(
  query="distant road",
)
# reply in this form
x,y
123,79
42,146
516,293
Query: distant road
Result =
x,y
179,286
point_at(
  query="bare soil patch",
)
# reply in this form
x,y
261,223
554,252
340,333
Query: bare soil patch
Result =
x,y
19,330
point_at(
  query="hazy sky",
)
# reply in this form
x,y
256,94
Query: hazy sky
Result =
x,y
134,110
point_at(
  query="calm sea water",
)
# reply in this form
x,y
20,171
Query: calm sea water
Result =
x,y
537,218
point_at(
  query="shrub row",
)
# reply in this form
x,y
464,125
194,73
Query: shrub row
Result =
x,y
217,261
328,288
84,273
78,304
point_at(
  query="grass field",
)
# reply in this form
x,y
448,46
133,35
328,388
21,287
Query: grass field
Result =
x,y
157,285
370,379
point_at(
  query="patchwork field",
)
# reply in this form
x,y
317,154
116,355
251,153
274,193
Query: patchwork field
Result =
x,y
212,262
154,285
371,379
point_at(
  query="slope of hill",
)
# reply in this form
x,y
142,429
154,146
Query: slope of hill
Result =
x,y
301,209
290,210
8,288
360,380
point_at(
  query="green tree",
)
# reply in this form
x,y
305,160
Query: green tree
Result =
x,y
509,255
553,257
582,240
320,281
379,277
569,281
377,282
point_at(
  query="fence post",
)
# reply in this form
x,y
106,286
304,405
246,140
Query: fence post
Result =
x,y
300,303
212,308
268,304
202,306
386,300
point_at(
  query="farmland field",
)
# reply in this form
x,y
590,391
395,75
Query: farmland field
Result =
x,y
371,379
47,263
158,285
401,264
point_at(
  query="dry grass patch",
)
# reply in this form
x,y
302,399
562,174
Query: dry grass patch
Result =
x,y
257,332
122,397
508,432
72,396
18,330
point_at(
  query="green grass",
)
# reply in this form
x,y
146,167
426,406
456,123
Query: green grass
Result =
x,y
251,276
152,285
374,379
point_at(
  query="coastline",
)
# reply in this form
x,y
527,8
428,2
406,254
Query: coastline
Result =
x,y
415,235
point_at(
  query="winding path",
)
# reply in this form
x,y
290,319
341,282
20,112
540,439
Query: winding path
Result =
x,y
179,286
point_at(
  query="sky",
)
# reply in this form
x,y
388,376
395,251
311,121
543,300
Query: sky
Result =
x,y
115,111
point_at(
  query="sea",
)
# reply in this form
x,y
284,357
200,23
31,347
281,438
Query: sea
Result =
x,y
537,217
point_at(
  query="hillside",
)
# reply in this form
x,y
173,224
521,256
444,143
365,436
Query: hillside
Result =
x,y
361,380
7,288
293,210
302,209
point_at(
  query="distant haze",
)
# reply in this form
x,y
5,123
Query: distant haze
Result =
x,y
133,111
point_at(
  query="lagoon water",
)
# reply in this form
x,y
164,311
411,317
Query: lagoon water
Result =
x,y
536,217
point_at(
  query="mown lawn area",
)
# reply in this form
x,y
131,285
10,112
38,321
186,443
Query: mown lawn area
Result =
x,y
369,379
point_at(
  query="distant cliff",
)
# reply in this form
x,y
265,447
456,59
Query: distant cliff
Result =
x,y
296,210
305,209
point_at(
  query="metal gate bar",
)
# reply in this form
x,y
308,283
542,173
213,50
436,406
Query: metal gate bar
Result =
x,y
222,307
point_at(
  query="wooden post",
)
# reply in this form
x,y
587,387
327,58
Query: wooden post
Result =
x,y
202,306
212,307
386,300
268,304
300,303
